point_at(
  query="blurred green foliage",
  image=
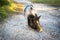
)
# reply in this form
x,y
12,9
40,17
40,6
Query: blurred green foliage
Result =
x,y
50,2
4,11
4,2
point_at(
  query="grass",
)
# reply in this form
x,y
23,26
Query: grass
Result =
x,y
4,13
50,2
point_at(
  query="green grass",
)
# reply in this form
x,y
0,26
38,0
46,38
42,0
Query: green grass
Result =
x,y
4,10
50,2
4,13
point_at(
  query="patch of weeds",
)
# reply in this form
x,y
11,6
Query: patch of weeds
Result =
x,y
4,13
50,2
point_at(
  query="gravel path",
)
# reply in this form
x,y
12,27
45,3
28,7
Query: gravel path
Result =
x,y
15,28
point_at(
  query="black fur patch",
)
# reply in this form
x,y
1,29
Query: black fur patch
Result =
x,y
32,21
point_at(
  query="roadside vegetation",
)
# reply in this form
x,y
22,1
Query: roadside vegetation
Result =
x,y
6,9
50,2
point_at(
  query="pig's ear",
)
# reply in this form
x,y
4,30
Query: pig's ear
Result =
x,y
39,17
35,14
